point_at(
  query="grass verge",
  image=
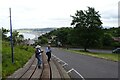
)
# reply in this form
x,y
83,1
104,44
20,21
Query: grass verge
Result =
x,y
21,55
0,57
112,57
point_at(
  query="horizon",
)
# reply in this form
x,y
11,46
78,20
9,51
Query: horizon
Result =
x,y
108,27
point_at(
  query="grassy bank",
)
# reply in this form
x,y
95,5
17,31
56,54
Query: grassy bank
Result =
x,y
21,55
113,57
0,57
0,70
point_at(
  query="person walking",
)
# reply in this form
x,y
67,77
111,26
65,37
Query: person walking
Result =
x,y
38,53
48,52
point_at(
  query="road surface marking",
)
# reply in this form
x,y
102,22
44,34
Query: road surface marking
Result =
x,y
79,74
70,70
64,64
59,60
76,72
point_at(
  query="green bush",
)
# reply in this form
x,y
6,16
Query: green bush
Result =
x,y
21,55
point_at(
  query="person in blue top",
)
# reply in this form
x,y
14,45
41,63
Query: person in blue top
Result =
x,y
38,53
48,52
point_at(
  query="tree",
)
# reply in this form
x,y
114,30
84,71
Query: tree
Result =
x,y
62,35
15,36
107,39
118,32
42,40
20,39
4,33
88,29
17,39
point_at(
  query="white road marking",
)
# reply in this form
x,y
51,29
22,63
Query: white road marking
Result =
x,y
64,64
79,74
59,60
70,70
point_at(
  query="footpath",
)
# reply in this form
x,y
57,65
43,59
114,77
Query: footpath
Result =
x,y
49,71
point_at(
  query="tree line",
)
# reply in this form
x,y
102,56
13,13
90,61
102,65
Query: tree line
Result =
x,y
86,33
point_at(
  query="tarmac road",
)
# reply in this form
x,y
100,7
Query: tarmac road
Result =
x,y
88,67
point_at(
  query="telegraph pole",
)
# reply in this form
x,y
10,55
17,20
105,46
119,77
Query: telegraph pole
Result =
x,y
11,39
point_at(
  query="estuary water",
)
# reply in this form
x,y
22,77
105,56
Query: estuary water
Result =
x,y
26,35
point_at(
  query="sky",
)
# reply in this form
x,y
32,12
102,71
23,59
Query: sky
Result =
x,y
53,13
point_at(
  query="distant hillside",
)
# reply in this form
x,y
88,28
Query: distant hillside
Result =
x,y
44,29
35,30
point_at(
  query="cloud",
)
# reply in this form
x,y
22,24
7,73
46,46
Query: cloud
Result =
x,y
53,13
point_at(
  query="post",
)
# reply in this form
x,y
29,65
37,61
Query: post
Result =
x,y
11,40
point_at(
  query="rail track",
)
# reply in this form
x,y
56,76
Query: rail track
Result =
x,y
30,71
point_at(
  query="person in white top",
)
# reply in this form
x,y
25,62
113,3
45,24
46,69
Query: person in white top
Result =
x,y
48,52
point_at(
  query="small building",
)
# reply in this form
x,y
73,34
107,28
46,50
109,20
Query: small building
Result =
x,y
117,39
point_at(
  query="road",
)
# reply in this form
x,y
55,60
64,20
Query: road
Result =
x,y
88,67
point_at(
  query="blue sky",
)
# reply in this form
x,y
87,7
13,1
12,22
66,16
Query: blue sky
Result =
x,y
54,13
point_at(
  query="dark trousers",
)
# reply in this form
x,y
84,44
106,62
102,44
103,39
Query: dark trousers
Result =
x,y
48,55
